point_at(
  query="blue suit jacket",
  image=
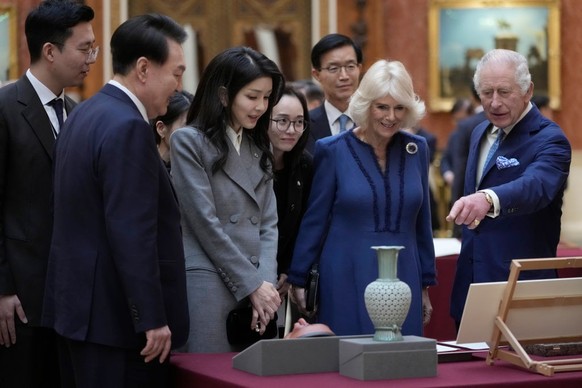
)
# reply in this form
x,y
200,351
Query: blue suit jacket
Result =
x,y
318,127
530,196
116,265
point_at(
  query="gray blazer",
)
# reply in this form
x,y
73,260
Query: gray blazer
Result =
x,y
229,222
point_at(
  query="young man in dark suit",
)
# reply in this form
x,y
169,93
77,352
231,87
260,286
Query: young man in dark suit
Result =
x,y
336,64
116,279
60,43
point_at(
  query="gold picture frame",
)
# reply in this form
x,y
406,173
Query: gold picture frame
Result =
x,y
8,40
461,31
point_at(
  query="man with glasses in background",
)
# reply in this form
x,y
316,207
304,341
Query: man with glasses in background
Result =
x,y
60,43
336,63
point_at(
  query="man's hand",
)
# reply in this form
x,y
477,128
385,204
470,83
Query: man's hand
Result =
x,y
469,210
159,343
8,305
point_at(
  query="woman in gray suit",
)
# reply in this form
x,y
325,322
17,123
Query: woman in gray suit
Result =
x,y
221,167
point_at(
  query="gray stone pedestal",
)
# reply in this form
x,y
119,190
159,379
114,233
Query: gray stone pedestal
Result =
x,y
366,359
291,356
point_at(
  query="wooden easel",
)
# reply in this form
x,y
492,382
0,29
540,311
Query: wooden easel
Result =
x,y
516,354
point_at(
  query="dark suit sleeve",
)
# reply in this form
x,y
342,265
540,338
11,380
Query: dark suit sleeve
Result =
x,y
460,158
7,286
128,166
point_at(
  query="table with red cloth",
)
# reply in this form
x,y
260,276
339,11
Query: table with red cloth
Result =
x,y
215,370
442,326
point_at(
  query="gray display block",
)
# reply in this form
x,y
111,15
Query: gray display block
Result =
x,y
366,359
291,356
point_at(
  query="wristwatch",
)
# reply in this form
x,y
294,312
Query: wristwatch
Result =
x,y
488,198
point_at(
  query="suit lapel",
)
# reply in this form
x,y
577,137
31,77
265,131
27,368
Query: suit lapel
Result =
x,y
514,138
35,115
242,168
69,105
320,125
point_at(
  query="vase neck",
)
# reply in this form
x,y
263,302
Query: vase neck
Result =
x,y
388,263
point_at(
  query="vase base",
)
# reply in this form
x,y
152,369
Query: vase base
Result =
x,y
387,335
366,359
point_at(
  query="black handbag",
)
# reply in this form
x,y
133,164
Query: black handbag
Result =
x,y
238,327
311,288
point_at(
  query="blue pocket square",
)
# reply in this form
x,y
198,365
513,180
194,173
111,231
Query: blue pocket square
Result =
x,y
502,162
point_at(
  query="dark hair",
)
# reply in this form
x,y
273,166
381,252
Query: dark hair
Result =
x,y
462,104
179,103
144,36
331,42
540,101
232,70
293,158
311,90
52,21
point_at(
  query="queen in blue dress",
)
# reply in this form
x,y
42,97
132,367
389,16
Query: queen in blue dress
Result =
x,y
370,187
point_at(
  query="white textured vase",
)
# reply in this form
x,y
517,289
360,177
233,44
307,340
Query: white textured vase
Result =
x,y
387,298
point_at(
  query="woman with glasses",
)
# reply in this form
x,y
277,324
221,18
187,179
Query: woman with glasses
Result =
x,y
222,172
370,187
293,172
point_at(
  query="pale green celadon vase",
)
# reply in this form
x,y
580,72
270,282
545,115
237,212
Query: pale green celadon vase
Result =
x,y
387,298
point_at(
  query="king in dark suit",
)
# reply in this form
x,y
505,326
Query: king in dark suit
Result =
x,y
60,40
513,204
116,287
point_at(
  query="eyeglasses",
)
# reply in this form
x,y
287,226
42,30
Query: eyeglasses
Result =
x,y
334,69
284,124
90,52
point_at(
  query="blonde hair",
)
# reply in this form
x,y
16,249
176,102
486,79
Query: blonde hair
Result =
x,y
386,78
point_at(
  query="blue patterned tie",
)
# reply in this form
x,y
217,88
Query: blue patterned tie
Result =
x,y
494,146
343,120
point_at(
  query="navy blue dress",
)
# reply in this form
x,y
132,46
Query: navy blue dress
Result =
x,y
353,205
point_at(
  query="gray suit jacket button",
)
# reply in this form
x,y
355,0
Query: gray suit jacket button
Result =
x,y
254,220
234,218
254,259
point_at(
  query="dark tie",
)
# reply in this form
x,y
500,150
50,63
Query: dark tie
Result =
x,y
494,146
57,105
343,120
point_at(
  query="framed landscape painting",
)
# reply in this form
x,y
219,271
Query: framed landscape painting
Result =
x,y
462,31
